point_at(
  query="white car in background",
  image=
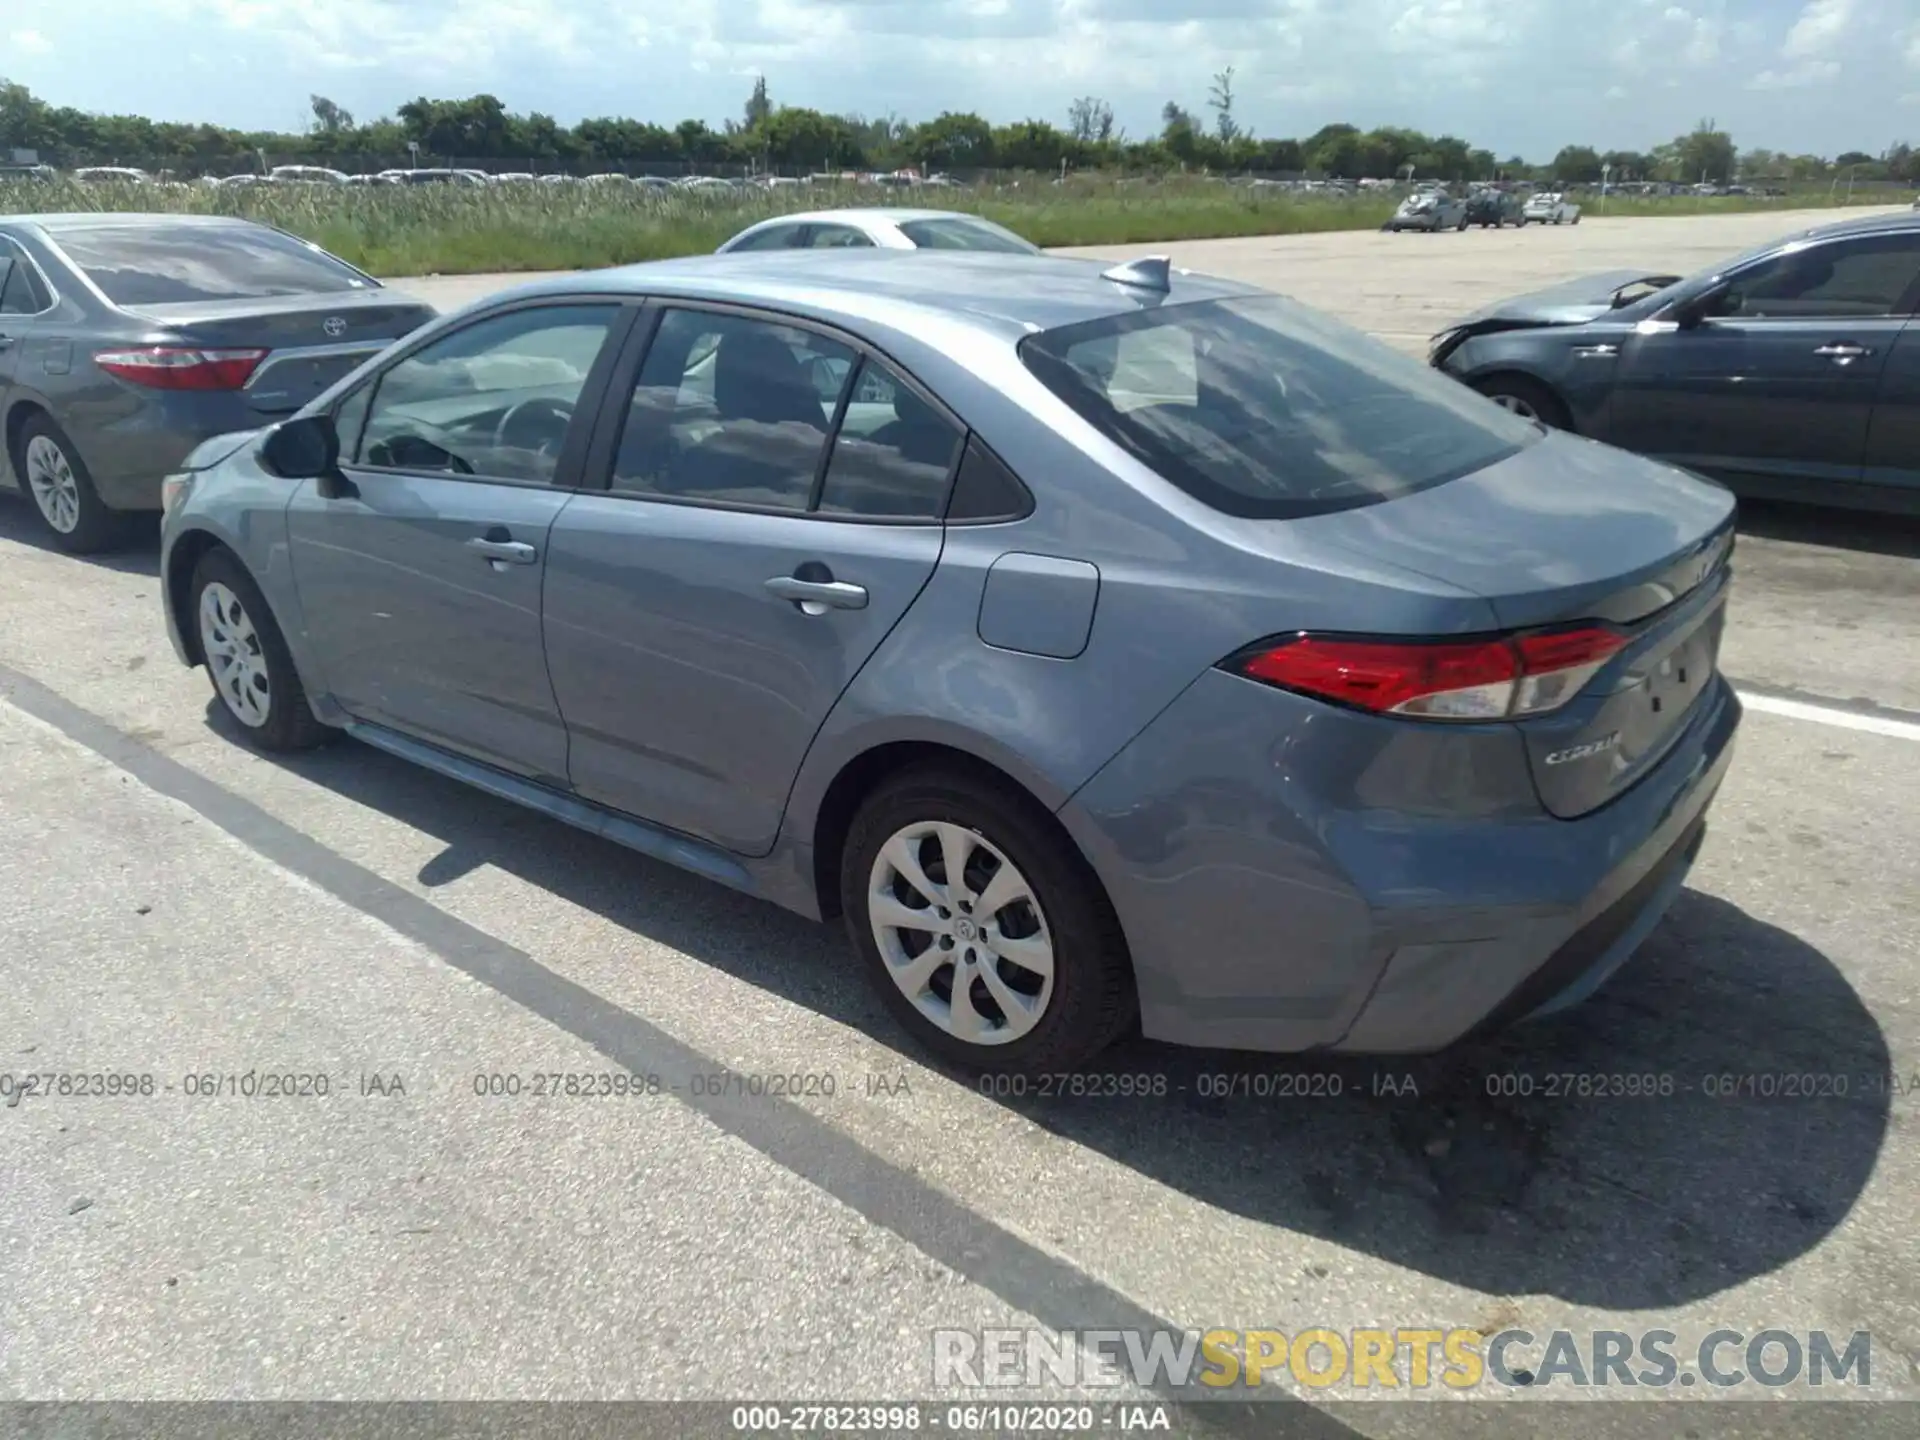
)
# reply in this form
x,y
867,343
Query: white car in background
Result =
x,y
881,228
1551,208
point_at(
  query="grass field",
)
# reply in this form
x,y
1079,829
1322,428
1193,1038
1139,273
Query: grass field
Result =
x,y
461,230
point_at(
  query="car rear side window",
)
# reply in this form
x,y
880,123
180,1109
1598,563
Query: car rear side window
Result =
x,y
1259,407
964,233
731,410
171,264
893,453
21,292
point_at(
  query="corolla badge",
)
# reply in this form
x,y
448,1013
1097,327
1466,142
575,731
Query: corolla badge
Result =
x,y
1586,751
335,326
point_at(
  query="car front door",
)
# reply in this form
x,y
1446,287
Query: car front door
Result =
x,y
771,509
1776,380
420,576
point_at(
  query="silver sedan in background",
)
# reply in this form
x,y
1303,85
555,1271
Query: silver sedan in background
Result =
x,y
880,228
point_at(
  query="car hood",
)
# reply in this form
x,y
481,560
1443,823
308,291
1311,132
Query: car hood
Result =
x,y
1573,303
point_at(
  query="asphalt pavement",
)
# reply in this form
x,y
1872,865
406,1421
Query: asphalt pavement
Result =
x,y
177,908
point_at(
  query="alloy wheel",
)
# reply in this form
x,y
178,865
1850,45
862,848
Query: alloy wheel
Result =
x,y
231,644
53,485
961,932
1517,405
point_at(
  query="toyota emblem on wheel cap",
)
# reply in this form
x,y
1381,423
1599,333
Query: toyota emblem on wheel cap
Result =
x,y
334,325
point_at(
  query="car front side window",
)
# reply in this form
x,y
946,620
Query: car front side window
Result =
x,y
495,399
1845,279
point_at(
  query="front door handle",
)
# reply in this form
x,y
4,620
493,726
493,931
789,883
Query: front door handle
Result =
x,y
5,341
509,552
816,597
1843,351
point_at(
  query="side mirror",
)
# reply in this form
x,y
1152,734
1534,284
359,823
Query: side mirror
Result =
x,y
304,448
1691,313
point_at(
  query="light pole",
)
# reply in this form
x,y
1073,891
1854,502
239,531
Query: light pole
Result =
x,y
1606,173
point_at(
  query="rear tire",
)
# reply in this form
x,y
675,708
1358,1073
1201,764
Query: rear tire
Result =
x,y
1527,398
61,492
1046,982
247,659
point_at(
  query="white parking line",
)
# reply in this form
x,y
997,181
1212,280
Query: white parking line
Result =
x,y
1830,715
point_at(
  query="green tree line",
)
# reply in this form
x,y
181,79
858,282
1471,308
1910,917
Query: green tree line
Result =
x,y
793,138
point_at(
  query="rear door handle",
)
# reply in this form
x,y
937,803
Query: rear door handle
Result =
x,y
816,597
5,341
510,552
1843,351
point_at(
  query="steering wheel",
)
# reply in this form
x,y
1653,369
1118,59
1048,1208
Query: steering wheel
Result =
x,y
550,415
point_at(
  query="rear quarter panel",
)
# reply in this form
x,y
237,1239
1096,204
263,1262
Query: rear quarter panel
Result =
x,y
1180,587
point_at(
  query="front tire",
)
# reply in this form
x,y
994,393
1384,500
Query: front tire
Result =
x,y
1527,398
985,932
247,659
61,490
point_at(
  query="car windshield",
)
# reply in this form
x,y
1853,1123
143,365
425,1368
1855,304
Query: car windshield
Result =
x,y
965,233
1260,407
171,264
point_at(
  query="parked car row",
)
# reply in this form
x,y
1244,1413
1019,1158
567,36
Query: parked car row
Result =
x,y
977,625
1437,209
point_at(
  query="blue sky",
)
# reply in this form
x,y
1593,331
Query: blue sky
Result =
x,y
1522,76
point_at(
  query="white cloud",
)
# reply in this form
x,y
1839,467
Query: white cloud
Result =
x,y
1819,27
1808,72
1473,68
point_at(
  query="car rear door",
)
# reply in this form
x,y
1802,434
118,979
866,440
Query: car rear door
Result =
x,y
1777,382
420,577
1893,437
770,507
26,301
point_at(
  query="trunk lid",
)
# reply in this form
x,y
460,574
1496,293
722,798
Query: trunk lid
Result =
x,y
313,340
1569,530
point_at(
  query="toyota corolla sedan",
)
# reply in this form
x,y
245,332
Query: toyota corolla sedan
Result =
x,y
1790,373
871,227
1104,647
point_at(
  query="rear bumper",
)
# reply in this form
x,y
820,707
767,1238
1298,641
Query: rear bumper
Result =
x,y
1291,877
137,443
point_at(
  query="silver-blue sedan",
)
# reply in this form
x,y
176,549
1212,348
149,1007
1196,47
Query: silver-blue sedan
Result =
x,y
1107,647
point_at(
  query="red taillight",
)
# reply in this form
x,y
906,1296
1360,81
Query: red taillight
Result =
x,y
1491,679
171,367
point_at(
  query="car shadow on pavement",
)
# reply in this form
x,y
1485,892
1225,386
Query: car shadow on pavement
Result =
x,y
1593,1157
1856,530
138,554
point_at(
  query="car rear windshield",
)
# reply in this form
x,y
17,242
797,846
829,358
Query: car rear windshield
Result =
x,y
958,234
1260,407
175,264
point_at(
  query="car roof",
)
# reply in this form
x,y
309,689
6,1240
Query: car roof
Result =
x,y
1006,294
1892,223
1903,219
54,223
854,214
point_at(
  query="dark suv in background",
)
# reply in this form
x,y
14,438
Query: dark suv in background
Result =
x,y
1495,208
